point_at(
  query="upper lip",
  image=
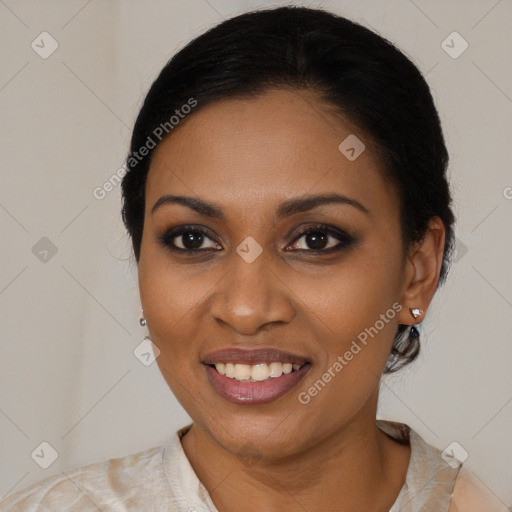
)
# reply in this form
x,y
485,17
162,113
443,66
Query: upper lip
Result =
x,y
253,356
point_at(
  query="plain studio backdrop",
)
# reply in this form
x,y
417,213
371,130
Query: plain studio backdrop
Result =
x,y
73,76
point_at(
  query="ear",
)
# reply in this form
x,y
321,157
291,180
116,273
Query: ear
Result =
x,y
422,269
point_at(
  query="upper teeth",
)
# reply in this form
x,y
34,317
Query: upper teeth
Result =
x,y
256,372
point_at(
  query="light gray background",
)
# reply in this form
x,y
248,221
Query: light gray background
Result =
x,y
68,375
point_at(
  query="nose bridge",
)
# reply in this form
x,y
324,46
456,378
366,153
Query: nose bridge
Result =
x,y
250,293
248,282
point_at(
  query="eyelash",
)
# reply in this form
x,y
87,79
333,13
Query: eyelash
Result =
x,y
345,239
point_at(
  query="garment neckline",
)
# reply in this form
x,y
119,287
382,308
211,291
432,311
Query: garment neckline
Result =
x,y
187,487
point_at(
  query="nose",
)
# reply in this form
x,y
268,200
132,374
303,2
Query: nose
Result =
x,y
251,296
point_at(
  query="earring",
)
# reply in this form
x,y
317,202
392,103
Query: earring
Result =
x,y
142,320
416,312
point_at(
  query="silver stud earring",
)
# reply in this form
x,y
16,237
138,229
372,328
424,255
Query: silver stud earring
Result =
x,y
416,312
142,320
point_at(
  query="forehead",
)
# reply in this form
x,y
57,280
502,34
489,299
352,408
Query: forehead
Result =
x,y
261,150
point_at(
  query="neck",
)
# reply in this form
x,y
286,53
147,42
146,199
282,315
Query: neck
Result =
x,y
356,467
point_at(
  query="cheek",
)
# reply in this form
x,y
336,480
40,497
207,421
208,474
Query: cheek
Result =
x,y
171,306
356,307
170,302
348,297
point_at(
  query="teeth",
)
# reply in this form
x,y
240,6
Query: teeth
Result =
x,y
256,372
242,372
260,372
230,370
287,368
276,369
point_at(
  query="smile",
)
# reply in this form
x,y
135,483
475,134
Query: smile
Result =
x,y
254,377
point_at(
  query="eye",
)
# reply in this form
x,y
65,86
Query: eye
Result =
x,y
188,239
320,238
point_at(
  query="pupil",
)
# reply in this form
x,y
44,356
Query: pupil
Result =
x,y
316,240
192,240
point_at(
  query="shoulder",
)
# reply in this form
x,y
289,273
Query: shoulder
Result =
x,y
470,494
107,483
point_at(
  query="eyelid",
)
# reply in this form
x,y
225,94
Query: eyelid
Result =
x,y
172,233
344,238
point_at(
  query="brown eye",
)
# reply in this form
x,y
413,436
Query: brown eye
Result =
x,y
316,240
322,238
188,239
191,240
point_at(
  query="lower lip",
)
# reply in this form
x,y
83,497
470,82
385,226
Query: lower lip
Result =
x,y
255,393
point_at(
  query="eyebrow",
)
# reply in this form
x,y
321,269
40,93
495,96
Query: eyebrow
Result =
x,y
285,209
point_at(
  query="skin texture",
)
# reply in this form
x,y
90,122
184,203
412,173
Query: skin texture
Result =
x,y
248,156
470,494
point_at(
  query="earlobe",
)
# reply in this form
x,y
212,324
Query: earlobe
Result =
x,y
423,267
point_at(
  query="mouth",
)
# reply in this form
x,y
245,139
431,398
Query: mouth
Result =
x,y
253,377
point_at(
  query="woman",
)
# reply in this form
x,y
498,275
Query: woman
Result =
x,y
290,215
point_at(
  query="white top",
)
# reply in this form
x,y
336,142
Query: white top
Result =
x,y
161,479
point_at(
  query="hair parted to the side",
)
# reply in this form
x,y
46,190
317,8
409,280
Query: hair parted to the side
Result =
x,y
356,72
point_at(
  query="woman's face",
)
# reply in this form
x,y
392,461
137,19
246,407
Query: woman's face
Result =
x,y
250,171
